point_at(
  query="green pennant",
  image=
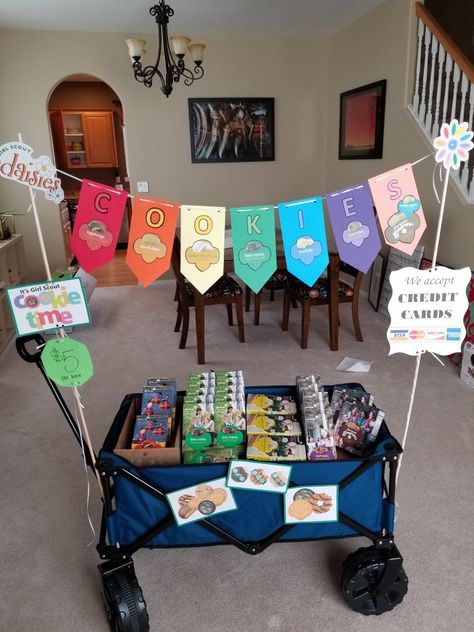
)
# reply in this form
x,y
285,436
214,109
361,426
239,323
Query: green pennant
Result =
x,y
253,236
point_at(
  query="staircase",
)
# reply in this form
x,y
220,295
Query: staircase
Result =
x,y
443,90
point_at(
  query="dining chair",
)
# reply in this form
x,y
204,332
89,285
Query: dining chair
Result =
x,y
329,290
226,291
278,281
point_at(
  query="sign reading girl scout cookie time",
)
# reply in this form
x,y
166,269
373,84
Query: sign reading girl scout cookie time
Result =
x,y
17,164
253,235
46,306
202,245
427,309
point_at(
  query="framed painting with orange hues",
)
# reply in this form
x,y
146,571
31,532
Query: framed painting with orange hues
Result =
x,y
361,121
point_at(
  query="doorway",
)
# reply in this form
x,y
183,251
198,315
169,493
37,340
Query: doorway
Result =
x,y
87,131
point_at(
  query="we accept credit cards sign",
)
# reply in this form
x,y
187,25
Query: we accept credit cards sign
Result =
x,y
427,309
45,306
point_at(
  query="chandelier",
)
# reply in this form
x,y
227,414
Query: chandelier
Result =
x,y
174,66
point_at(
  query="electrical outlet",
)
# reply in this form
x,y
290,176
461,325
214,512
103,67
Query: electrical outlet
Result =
x,y
142,187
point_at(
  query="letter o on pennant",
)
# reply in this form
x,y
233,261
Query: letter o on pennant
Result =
x,y
198,222
160,217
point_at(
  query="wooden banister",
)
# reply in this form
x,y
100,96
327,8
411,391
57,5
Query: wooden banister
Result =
x,y
446,41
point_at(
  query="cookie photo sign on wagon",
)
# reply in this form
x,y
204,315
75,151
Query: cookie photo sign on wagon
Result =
x,y
198,502
312,504
427,310
259,477
45,306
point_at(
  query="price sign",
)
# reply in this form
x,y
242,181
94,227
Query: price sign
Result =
x,y
67,362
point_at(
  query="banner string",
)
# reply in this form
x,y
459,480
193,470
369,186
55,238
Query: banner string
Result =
x,y
275,206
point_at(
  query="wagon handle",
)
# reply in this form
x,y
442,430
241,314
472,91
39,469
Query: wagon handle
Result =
x,y
23,352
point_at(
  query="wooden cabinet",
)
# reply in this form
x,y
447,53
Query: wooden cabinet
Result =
x,y
84,140
12,272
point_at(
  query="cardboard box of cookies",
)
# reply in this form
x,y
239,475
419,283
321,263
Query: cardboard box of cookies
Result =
x,y
276,448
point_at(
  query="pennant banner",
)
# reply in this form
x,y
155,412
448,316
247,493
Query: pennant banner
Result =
x,y
353,223
151,237
253,237
97,225
304,238
202,245
399,208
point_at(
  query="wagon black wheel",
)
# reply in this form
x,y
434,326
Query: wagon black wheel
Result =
x,y
125,607
361,579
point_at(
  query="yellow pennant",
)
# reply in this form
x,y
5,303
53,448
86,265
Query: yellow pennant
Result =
x,y
202,245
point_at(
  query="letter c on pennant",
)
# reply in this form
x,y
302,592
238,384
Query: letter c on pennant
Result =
x,y
160,220
98,202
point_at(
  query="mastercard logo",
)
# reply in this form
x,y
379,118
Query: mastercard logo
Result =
x,y
417,334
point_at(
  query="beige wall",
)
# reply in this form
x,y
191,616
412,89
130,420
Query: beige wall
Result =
x,y
380,46
157,129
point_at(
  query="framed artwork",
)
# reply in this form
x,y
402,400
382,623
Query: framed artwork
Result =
x,y
376,281
232,129
361,121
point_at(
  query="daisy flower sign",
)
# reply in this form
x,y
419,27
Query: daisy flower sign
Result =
x,y
453,144
18,164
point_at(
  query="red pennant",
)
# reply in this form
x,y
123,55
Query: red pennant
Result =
x,y
97,224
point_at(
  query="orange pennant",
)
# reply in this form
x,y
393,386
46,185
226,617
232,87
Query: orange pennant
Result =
x,y
150,242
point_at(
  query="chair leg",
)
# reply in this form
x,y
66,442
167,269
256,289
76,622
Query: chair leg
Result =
x,y
185,329
240,318
305,324
248,295
176,293
286,310
272,294
230,319
355,319
256,309
199,314
179,315
294,302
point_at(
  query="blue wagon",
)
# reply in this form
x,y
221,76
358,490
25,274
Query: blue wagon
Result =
x,y
136,514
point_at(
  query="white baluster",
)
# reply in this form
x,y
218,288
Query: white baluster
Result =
x,y
429,112
464,87
456,76
416,96
447,71
427,39
441,57
469,167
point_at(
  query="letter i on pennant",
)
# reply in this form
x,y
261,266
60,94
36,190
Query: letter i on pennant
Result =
x,y
151,238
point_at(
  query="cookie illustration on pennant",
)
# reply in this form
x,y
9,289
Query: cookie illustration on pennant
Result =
x,y
300,509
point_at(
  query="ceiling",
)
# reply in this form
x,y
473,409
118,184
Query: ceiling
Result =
x,y
268,17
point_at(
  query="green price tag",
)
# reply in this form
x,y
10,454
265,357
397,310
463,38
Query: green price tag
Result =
x,y
230,440
67,362
197,442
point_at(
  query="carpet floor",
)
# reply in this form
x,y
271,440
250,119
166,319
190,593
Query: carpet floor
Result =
x,y
48,572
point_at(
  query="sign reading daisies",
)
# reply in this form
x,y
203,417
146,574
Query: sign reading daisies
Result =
x,y
453,144
18,164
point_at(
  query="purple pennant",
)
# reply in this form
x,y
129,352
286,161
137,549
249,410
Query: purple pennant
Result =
x,y
353,222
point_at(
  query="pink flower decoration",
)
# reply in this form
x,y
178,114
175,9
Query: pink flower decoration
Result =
x,y
453,144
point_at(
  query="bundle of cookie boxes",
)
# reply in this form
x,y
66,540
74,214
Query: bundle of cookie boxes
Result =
x,y
219,424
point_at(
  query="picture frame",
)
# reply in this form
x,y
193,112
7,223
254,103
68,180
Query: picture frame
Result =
x,y
361,121
376,281
232,129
